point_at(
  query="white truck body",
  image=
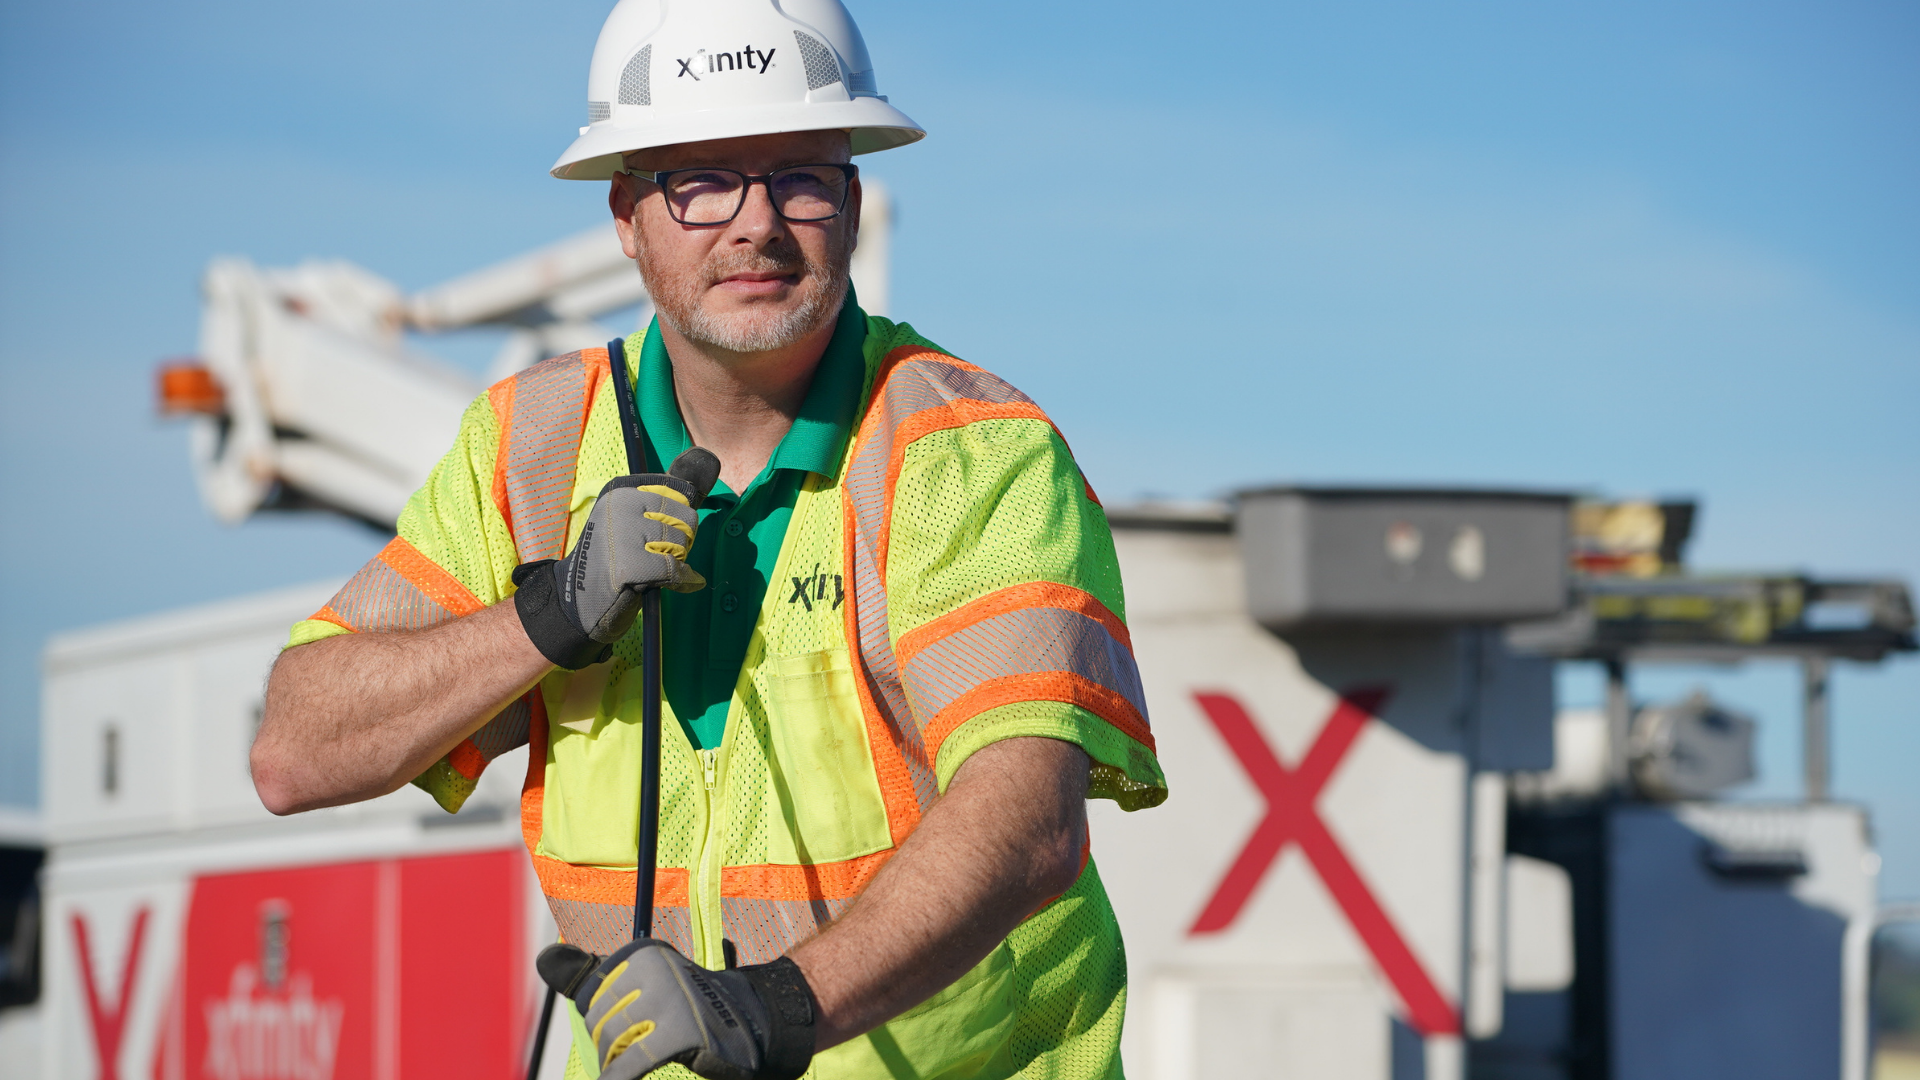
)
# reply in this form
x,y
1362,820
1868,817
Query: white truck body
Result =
x,y
172,895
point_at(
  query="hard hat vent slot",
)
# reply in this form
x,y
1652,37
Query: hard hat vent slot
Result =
x,y
636,85
822,68
598,111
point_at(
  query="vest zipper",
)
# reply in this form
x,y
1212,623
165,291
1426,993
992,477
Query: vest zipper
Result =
x,y
703,876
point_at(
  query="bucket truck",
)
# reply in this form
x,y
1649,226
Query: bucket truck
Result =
x,y
1385,856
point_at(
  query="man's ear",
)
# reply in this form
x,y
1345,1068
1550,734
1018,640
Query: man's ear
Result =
x,y
621,201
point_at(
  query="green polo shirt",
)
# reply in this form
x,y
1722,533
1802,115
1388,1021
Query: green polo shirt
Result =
x,y
706,633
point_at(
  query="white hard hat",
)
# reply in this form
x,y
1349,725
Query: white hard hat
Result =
x,y
676,71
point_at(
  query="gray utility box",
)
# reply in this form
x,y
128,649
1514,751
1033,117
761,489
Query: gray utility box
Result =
x,y
1319,556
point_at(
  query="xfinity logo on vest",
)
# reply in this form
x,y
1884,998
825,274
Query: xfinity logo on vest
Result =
x,y
806,590
706,63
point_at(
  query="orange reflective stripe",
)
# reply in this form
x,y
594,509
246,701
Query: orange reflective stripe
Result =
x,y
768,881
594,885
1012,598
501,397
466,760
427,576
533,791
398,589
901,795
817,881
1064,686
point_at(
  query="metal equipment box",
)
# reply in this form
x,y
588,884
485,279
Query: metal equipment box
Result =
x,y
1322,556
1733,931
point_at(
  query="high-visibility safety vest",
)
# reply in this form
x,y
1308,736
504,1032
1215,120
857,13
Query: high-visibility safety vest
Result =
x,y
954,585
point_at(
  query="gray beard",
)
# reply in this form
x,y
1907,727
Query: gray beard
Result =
x,y
754,330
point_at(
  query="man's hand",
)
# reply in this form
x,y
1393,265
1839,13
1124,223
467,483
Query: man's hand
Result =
x,y
636,538
647,1005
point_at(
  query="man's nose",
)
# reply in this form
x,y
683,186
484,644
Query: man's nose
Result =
x,y
757,223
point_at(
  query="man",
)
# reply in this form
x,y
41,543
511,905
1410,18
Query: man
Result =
x,y
895,655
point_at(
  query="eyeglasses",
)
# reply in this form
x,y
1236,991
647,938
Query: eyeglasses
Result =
x,y
710,196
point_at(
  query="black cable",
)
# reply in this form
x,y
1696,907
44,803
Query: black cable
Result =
x,y
649,839
629,414
540,1036
647,846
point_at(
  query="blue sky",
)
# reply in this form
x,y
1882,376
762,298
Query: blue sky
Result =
x,y
1637,248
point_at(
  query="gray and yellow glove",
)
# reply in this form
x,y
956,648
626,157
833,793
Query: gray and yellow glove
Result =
x,y
647,1005
636,538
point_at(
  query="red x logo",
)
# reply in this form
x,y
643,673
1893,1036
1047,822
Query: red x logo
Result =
x,y
109,1016
1291,817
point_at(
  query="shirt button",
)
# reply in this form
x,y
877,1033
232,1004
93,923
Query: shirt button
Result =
x,y
729,603
734,528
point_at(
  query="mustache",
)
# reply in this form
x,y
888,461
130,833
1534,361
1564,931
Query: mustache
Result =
x,y
775,261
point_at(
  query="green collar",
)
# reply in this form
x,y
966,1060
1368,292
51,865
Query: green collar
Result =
x,y
819,433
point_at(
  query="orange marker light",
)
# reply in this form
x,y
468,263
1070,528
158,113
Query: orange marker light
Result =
x,y
186,386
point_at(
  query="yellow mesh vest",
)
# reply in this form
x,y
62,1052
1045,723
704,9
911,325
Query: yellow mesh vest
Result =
x,y
954,586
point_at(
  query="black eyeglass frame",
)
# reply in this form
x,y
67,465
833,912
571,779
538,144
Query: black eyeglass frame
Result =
x,y
658,179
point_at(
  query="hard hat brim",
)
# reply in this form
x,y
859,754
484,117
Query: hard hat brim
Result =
x,y
874,125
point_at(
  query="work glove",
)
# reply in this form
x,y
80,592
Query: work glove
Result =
x,y
637,538
647,1005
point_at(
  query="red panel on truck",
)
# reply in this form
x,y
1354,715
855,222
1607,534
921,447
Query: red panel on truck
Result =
x,y
388,969
463,982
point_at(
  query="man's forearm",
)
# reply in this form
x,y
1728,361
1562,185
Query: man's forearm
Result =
x,y
1005,839
358,715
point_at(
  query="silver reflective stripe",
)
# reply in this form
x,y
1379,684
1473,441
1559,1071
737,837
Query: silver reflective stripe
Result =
x,y
1031,640
603,928
763,930
822,68
543,449
380,598
636,79
504,732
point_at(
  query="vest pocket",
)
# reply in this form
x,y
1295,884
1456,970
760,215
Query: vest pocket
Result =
x,y
823,765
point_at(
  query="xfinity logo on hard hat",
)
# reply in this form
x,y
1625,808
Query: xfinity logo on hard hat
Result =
x,y
650,87
706,63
